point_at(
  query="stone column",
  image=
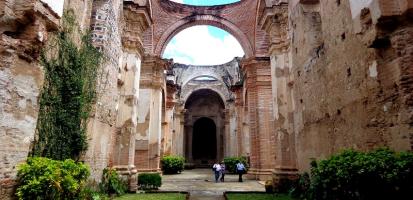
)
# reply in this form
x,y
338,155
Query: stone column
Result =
x,y
178,132
188,131
136,22
24,30
258,88
275,23
171,90
237,90
150,114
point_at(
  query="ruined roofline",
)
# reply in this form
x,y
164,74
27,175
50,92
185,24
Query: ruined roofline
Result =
x,y
179,7
179,65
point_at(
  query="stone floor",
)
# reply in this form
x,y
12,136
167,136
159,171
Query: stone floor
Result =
x,y
201,185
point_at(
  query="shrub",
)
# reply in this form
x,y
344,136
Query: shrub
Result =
x,y
111,183
231,162
148,181
380,174
172,164
43,178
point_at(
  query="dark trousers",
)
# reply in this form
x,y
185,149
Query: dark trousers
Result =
x,y
216,176
240,175
222,176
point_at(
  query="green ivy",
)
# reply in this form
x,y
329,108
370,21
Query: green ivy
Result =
x,y
71,66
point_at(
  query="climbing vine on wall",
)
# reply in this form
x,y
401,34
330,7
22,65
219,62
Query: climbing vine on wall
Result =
x,y
71,66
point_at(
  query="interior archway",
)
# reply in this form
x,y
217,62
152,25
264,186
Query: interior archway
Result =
x,y
204,128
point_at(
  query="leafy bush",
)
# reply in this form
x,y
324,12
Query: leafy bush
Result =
x,y
43,178
380,174
148,181
111,183
231,162
172,164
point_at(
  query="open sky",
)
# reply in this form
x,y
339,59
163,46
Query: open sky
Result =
x,y
203,45
56,5
197,45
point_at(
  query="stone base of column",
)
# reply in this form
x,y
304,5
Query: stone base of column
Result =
x,y
259,174
128,174
282,178
157,170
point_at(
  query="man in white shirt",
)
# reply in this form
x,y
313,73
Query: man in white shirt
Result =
x,y
217,169
240,170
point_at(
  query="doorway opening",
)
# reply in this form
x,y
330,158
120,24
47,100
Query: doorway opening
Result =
x,y
204,141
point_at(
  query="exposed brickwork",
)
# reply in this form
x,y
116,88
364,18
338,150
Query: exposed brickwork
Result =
x,y
237,18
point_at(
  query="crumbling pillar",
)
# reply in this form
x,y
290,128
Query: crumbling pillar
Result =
x,y
149,128
136,20
258,98
275,23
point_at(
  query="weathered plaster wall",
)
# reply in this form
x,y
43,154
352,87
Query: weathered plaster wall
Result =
x,y
348,90
24,30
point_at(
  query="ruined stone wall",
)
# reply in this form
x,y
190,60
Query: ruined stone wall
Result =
x,y
349,79
106,36
24,30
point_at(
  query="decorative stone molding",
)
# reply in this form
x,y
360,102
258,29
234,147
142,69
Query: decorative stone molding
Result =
x,y
137,20
275,22
152,72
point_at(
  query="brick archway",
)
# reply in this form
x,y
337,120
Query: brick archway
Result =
x,y
239,19
204,20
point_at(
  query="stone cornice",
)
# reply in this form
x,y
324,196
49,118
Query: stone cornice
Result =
x,y
152,72
137,20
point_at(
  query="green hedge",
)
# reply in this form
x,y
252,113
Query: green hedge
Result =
x,y
149,181
172,164
43,178
380,174
231,162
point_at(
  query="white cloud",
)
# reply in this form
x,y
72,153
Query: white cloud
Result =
x,y
178,1
195,45
56,5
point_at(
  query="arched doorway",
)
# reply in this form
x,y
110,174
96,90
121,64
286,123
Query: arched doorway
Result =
x,y
204,140
204,128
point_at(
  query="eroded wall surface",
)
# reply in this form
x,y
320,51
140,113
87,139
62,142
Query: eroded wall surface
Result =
x,y
24,30
349,85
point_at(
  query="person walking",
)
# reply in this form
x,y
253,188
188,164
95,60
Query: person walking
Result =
x,y
240,170
217,170
222,171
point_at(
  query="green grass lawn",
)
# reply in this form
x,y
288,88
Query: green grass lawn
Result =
x,y
152,196
247,196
